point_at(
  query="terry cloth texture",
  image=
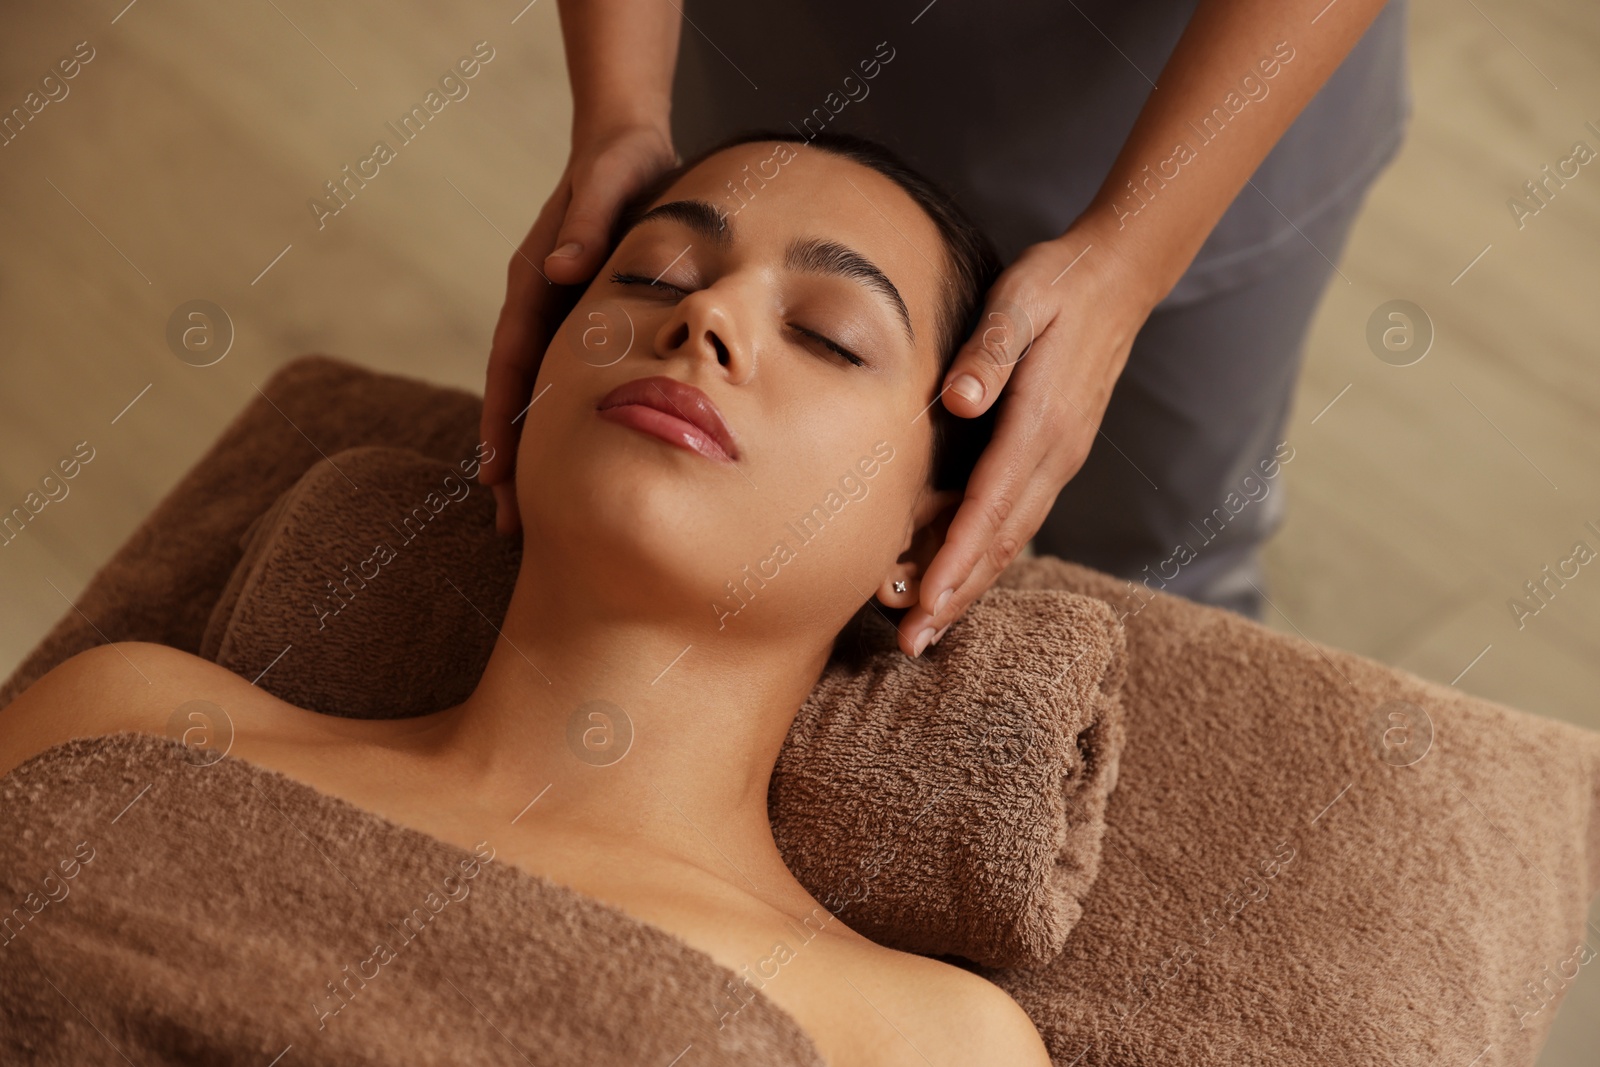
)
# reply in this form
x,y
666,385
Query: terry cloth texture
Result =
x,y
162,584
952,804
1295,869
165,911
381,572
1312,858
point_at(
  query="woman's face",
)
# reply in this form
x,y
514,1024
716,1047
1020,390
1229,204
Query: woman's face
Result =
x,y
798,292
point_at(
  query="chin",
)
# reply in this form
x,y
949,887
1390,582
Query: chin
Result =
x,y
632,523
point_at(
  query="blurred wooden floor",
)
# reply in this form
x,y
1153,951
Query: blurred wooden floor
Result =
x,y
180,165
1421,502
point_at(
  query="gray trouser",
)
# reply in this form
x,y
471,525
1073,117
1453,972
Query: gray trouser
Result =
x,y
1175,492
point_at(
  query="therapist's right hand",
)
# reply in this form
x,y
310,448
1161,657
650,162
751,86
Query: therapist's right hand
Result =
x,y
566,246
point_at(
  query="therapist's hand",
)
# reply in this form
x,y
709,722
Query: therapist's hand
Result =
x,y
1084,321
566,246
1055,335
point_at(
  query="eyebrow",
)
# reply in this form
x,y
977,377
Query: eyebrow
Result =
x,y
698,215
820,256
813,255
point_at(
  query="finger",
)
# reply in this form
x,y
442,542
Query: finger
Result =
x,y
1033,452
1004,508
584,239
1040,433
520,336
1010,461
507,519
983,365
921,625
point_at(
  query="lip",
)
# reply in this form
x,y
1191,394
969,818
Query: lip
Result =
x,y
674,411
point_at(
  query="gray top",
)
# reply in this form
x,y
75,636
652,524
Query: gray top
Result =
x,y
1019,109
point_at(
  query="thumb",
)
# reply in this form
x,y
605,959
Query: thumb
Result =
x,y
585,235
982,367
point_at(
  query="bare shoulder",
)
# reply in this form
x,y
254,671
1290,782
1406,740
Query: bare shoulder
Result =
x,y
928,1010
986,1026
124,685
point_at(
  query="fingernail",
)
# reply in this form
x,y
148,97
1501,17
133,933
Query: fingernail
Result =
x,y
566,251
922,640
968,386
944,598
940,634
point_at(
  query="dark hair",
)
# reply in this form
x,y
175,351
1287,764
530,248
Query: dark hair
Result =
x,y
971,260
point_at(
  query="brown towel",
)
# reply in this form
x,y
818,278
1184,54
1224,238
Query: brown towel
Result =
x,y
161,911
1281,885
188,546
950,805
381,573
1431,914
958,802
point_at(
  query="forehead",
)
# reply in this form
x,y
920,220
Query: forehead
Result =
x,y
773,192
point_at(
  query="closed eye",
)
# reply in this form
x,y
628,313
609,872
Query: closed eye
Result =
x,y
638,279
830,345
620,278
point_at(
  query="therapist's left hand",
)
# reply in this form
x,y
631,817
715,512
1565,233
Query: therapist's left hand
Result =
x,y
1055,334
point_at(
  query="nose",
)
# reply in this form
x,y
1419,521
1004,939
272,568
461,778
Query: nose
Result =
x,y
704,326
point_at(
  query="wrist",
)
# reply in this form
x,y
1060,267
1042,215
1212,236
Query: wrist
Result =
x,y
1124,270
599,124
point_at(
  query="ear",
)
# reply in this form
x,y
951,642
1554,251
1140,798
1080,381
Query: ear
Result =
x,y
929,524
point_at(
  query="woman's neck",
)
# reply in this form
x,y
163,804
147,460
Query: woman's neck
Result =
x,y
642,733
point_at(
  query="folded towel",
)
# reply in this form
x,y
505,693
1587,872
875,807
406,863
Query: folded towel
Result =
x,y
381,572
188,545
957,803
164,912
949,805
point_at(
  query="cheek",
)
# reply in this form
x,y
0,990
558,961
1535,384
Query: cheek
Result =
x,y
550,439
843,488
600,333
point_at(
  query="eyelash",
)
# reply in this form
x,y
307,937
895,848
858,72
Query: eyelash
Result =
x,y
619,278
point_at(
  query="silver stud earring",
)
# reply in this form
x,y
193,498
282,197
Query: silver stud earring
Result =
x,y
899,587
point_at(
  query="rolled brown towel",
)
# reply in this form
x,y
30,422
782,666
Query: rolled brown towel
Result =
x,y
949,805
956,804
